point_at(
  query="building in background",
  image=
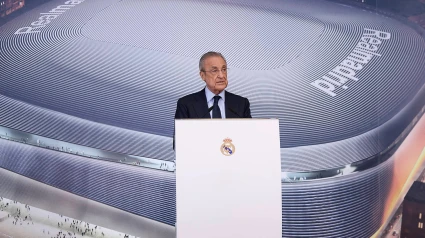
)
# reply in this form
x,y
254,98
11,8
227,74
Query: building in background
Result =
x,y
9,6
414,212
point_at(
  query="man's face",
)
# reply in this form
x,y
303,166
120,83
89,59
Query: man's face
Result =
x,y
215,74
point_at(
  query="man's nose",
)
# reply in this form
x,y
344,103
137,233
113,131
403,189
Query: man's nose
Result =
x,y
220,73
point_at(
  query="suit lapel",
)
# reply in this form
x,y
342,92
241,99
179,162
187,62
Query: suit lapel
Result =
x,y
201,105
229,103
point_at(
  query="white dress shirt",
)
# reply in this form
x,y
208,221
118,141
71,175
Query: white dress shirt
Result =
x,y
210,100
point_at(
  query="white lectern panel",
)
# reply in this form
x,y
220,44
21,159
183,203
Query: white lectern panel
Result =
x,y
237,195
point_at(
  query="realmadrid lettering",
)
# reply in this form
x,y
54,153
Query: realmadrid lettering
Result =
x,y
365,49
227,148
46,17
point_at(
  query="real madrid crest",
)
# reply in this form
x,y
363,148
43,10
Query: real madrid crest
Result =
x,y
227,148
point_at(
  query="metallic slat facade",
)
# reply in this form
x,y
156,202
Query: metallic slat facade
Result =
x,y
106,74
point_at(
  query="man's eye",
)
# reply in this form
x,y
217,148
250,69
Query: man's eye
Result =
x,y
214,70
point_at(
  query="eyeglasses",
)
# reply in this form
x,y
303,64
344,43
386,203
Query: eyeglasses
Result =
x,y
215,71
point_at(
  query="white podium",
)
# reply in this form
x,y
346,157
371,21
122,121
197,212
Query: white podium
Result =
x,y
228,178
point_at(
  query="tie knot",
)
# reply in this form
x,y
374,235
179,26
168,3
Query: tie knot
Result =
x,y
216,98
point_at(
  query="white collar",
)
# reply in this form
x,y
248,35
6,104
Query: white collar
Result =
x,y
211,95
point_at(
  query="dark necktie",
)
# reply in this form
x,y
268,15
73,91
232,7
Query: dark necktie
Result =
x,y
216,113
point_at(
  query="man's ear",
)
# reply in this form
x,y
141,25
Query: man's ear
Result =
x,y
202,75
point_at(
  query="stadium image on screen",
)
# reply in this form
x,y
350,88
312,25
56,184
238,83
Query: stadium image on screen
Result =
x,y
88,92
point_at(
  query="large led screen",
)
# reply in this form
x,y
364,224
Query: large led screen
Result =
x,y
88,92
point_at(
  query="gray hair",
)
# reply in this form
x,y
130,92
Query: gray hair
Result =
x,y
207,55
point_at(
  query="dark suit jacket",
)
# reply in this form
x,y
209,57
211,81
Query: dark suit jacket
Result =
x,y
195,106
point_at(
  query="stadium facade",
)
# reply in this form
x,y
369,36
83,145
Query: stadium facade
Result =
x,y
346,83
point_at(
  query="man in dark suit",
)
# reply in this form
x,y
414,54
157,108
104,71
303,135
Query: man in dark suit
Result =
x,y
213,101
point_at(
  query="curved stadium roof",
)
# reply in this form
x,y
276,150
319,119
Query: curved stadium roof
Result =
x,y
107,74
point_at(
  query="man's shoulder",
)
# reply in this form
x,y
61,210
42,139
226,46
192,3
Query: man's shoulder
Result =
x,y
197,95
190,97
233,96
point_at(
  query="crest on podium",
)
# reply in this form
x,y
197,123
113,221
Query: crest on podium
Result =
x,y
227,148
